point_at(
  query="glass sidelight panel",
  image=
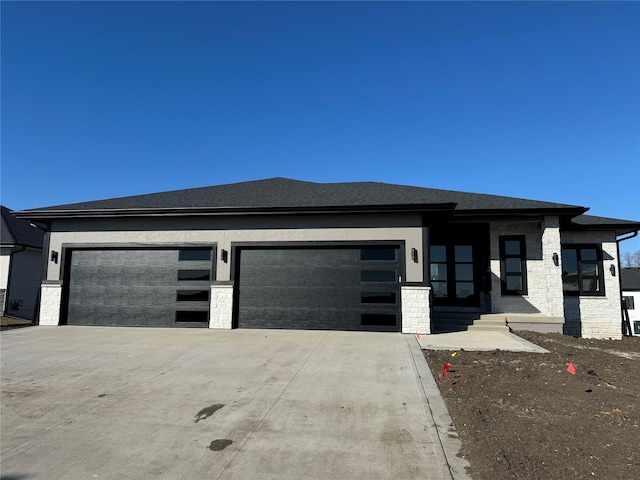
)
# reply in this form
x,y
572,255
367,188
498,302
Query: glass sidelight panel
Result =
x,y
438,271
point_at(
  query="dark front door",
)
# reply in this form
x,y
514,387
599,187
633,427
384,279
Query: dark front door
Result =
x,y
452,275
457,260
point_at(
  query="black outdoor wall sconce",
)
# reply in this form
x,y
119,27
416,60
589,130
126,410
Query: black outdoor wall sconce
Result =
x,y
556,260
224,256
414,255
54,256
612,269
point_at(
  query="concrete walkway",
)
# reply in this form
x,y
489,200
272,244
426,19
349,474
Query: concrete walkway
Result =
x,y
141,403
478,340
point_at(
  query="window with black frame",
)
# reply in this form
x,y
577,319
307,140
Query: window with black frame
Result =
x,y
582,270
513,265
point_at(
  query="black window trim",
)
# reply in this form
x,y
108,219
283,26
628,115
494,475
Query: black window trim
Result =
x,y
523,264
599,259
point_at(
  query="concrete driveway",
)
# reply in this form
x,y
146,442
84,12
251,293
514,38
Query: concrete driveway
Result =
x,y
138,403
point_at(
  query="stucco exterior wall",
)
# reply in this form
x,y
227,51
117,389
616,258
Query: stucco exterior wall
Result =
x,y
596,317
224,232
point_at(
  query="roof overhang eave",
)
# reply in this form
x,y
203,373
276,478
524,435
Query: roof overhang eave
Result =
x,y
565,212
47,215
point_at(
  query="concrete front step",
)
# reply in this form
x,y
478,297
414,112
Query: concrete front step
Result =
x,y
450,322
488,327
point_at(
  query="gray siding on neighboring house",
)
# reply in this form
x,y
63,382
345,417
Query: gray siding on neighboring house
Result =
x,y
24,284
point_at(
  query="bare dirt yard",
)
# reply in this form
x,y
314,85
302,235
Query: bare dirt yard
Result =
x,y
524,416
7,323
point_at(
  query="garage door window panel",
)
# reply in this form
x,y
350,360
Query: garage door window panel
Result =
x,y
389,298
192,296
194,275
192,316
194,254
378,254
387,276
378,320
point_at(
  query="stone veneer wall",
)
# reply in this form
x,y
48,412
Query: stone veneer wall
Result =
x,y
416,317
50,300
544,278
221,306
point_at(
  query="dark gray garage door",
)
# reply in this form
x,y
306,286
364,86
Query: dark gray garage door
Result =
x,y
139,287
318,288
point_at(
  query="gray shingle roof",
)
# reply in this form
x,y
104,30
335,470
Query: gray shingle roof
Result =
x,y
282,193
593,222
15,231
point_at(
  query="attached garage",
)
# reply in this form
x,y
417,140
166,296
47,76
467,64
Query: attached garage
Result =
x,y
139,287
329,288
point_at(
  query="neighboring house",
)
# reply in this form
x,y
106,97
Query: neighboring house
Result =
x,y
282,253
20,266
630,280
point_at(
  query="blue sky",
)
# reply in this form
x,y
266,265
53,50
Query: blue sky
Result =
x,y
536,100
